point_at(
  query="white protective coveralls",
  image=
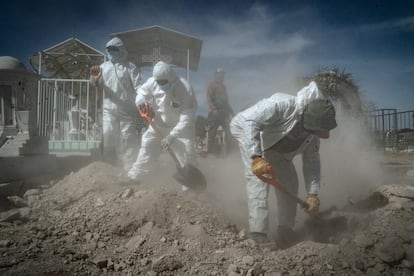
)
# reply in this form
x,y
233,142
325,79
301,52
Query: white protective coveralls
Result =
x,y
260,127
173,106
120,80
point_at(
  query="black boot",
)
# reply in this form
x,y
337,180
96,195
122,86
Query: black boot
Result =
x,y
261,240
286,237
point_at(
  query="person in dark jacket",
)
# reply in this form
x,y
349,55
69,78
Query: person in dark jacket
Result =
x,y
219,111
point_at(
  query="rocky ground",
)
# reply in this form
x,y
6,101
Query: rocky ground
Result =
x,y
89,223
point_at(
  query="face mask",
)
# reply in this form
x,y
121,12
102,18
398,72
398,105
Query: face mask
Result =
x,y
113,56
165,87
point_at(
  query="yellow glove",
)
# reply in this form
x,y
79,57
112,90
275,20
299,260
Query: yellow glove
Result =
x,y
260,166
313,202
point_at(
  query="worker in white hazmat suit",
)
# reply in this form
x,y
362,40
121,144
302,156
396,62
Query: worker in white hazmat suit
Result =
x,y
173,105
271,133
120,80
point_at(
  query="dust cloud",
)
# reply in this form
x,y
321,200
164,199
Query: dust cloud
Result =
x,y
226,186
350,171
351,167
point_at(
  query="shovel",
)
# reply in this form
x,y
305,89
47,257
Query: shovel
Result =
x,y
272,180
318,228
188,175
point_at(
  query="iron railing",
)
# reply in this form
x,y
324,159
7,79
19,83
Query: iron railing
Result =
x,y
67,109
392,129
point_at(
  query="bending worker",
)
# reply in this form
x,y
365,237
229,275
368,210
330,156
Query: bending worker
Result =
x,y
271,133
120,80
173,104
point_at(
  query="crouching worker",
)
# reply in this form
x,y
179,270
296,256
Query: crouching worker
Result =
x,y
271,133
173,105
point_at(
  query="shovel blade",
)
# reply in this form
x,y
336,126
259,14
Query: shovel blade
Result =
x,y
191,177
325,225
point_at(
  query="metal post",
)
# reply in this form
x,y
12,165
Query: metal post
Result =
x,y
383,128
96,112
412,116
80,111
40,63
2,111
87,113
63,114
47,111
39,107
188,65
395,120
54,110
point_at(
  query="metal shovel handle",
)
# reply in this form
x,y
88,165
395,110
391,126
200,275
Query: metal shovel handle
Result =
x,y
272,180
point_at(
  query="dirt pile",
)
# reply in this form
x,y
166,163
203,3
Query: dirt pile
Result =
x,y
89,224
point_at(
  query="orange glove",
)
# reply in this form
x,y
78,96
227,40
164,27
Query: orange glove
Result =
x,y
260,166
313,202
95,72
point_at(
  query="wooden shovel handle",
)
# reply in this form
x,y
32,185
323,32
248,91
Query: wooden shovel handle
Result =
x,y
272,180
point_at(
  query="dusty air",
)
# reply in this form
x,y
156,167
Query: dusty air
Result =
x,y
114,162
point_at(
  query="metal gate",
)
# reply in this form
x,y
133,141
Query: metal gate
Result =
x,y
392,129
69,113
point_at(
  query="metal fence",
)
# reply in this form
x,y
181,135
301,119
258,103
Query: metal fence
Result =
x,y
392,129
67,110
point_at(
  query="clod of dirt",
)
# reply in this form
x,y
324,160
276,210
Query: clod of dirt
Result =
x,y
89,224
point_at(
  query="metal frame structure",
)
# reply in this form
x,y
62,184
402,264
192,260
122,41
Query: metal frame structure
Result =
x,y
68,113
147,46
67,108
388,127
70,59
